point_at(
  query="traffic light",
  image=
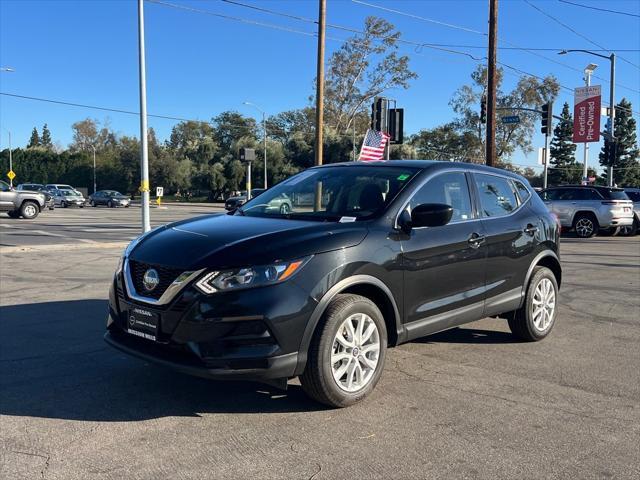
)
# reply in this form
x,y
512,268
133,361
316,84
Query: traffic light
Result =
x,y
396,125
610,151
483,109
379,114
547,118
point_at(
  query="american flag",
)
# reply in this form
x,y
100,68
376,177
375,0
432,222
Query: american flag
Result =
x,y
373,146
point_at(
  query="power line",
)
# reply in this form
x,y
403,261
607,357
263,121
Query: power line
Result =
x,y
109,109
600,9
483,34
574,31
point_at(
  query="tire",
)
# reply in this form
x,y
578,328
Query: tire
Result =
x,y
318,379
93,204
609,232
14,214
29,210
285,209
585,225
64,205
630,230
110,204
526,323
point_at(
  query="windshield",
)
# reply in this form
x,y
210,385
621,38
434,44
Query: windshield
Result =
x,y
112,193
345,193
70,193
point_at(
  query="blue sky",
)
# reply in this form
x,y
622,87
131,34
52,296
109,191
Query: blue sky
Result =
x,y
199,65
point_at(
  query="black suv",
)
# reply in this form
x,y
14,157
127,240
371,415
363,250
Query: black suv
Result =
x,y
370,255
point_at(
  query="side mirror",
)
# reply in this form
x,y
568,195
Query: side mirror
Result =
x,y
431,215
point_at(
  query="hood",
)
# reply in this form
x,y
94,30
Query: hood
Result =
x,y
229,241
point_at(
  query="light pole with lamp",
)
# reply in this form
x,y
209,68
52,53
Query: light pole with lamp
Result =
x,y
612,109
264,134
94,166
588,71
10,158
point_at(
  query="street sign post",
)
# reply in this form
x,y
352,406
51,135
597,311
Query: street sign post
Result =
x,y
159,195
510,119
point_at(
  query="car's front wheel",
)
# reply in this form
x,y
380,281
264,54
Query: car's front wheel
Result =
x,y
535,319
585,225
347,353
92,203
29,210
110,204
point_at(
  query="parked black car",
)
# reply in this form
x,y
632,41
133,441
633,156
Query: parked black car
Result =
x,y
110,198
236,201
396,250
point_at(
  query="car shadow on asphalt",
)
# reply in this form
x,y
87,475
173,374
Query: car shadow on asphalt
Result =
x,y
469,335
55,364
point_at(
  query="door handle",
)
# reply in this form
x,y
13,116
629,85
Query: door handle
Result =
x,y
530,229
475,240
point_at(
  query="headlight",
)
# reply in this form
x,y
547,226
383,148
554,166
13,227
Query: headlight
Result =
x,y
249,277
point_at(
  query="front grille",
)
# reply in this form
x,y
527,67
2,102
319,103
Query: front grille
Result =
x,y
167,276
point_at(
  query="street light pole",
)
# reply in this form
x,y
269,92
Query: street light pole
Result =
x,y
10,159
144,148
612,109
94,169
264,137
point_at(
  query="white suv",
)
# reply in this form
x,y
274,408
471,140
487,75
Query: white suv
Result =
x,y
589,209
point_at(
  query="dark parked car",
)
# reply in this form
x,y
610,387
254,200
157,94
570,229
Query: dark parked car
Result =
x,y
110,198
634,196
22,203
395,251
238,200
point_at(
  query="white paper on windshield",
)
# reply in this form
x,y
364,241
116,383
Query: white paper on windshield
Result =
x,y
347,219
300,177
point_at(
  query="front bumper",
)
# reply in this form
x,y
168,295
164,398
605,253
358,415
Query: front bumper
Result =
x,y
252,334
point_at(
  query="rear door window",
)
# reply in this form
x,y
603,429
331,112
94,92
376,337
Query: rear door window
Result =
x,y
497,198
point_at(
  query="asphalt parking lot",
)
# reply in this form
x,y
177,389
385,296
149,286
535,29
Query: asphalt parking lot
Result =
x,y
468,403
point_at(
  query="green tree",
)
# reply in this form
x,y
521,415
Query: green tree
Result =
x,y
530,92
562,152
446,142
45,141
34,141
626,164
365,66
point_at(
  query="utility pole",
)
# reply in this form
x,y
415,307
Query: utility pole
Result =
x,y
320,81
322,11
612,114
491,84
144,148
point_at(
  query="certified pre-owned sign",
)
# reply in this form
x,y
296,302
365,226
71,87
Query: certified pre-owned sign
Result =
x,y
586,114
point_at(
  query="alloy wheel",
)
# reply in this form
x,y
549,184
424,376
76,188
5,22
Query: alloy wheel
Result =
x,y
29,210
584,227
544,304
355,352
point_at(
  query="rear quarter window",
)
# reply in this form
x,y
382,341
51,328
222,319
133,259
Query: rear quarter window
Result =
x,y
615,194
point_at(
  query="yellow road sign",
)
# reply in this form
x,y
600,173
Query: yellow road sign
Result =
x,y
11,175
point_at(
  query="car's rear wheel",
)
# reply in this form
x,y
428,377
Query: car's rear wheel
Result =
x,y
535,319
285,209
347,353
29,210
110,204
585,225
630,230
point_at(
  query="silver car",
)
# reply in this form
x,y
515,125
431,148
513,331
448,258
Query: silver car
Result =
x,y
634,195
68,198
589,209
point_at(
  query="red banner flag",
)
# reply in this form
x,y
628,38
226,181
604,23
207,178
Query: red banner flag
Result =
x,y
586,114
